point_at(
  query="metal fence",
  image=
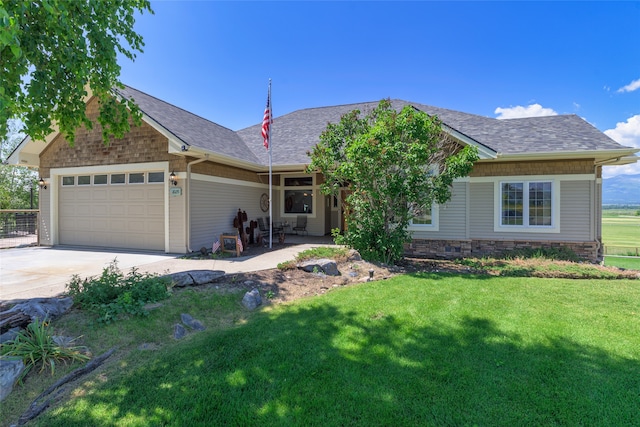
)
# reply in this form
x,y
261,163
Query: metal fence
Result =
x,y
622,250
18,227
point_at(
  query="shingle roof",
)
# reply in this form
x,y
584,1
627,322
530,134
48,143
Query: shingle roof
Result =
x,y
191,129
295,133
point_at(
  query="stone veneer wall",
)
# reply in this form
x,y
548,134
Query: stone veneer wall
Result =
x,y
428,248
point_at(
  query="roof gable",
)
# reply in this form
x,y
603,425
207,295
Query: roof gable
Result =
x,y
190,129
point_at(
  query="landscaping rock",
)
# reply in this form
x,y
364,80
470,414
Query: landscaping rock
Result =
x,y
252,299
180,280
202,277
10,370
326,266
179,331
191,322
195,277
9,335
354,255
21,314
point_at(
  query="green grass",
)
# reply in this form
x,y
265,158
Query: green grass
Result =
x,y
413,350
621,228
623,262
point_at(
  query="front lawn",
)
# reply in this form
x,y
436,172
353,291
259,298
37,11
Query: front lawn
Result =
x,y
424,349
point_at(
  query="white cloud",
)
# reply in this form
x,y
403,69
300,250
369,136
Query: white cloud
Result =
x,y
634,85
533,110
626,133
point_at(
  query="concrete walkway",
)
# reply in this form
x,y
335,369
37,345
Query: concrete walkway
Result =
x,y
44,271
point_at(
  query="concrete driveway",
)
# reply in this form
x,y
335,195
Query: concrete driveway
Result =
x,y
44,271
34,272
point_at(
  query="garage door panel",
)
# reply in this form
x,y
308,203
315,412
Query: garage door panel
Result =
x,y
136,194
84,195
117,209
83,210
117,194
100,195
136,210
156,194
155,226
155,210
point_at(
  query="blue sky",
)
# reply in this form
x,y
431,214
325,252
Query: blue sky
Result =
x,y
495,59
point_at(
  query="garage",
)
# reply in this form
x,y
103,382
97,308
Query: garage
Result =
x,y
114,210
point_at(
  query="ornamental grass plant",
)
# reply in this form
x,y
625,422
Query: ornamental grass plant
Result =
x,y
36,346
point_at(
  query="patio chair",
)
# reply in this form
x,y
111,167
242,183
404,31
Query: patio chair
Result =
x,y
276,226
301,224
264,230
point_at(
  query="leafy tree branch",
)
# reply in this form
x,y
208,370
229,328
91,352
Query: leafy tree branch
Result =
x,y
51,51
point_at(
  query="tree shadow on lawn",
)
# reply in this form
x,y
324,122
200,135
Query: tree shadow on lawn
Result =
x,y
317,364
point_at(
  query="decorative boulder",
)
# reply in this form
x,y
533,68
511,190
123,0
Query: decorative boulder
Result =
x,y
179,331
192,323
326,266
195,277
10,370
252,299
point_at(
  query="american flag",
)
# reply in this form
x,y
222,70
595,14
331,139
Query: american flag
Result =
x,y
216,246
266,123
240,244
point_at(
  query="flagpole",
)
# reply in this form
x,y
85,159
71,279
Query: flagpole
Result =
x,y
270,175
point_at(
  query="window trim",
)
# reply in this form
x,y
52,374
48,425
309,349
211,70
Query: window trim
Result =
x,y
525,227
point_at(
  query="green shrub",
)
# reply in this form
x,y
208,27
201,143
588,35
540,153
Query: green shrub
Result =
x,y
112,295
35,345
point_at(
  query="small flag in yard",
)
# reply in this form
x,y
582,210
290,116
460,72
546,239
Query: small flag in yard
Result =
x,y
266,123
216,246
240,244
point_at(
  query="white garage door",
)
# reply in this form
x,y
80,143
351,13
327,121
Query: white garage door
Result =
x,y
117,210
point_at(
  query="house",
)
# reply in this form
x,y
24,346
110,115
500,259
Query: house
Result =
x,y
176,182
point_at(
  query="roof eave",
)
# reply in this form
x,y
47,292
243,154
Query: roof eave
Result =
x,y
598,155
200,153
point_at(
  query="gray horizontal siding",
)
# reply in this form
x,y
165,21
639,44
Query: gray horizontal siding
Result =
x,y
452,217
215,205
481,211
575,211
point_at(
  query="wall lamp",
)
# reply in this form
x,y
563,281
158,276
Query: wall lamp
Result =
x,y
42,184
173,179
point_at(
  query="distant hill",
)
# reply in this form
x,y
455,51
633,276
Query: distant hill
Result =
x,y
621,189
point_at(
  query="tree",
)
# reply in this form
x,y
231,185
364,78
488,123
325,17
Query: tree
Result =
x,y
18,184
395,164
51,51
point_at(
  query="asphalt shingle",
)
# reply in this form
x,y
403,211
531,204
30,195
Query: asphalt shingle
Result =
x,y
294,134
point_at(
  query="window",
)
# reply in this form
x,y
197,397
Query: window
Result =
x,y
298,200
68,180
117,178
99,179
155,177
527,204
424,219
136,178
84,180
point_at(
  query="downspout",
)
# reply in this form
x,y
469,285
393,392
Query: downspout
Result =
x,y
188,199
